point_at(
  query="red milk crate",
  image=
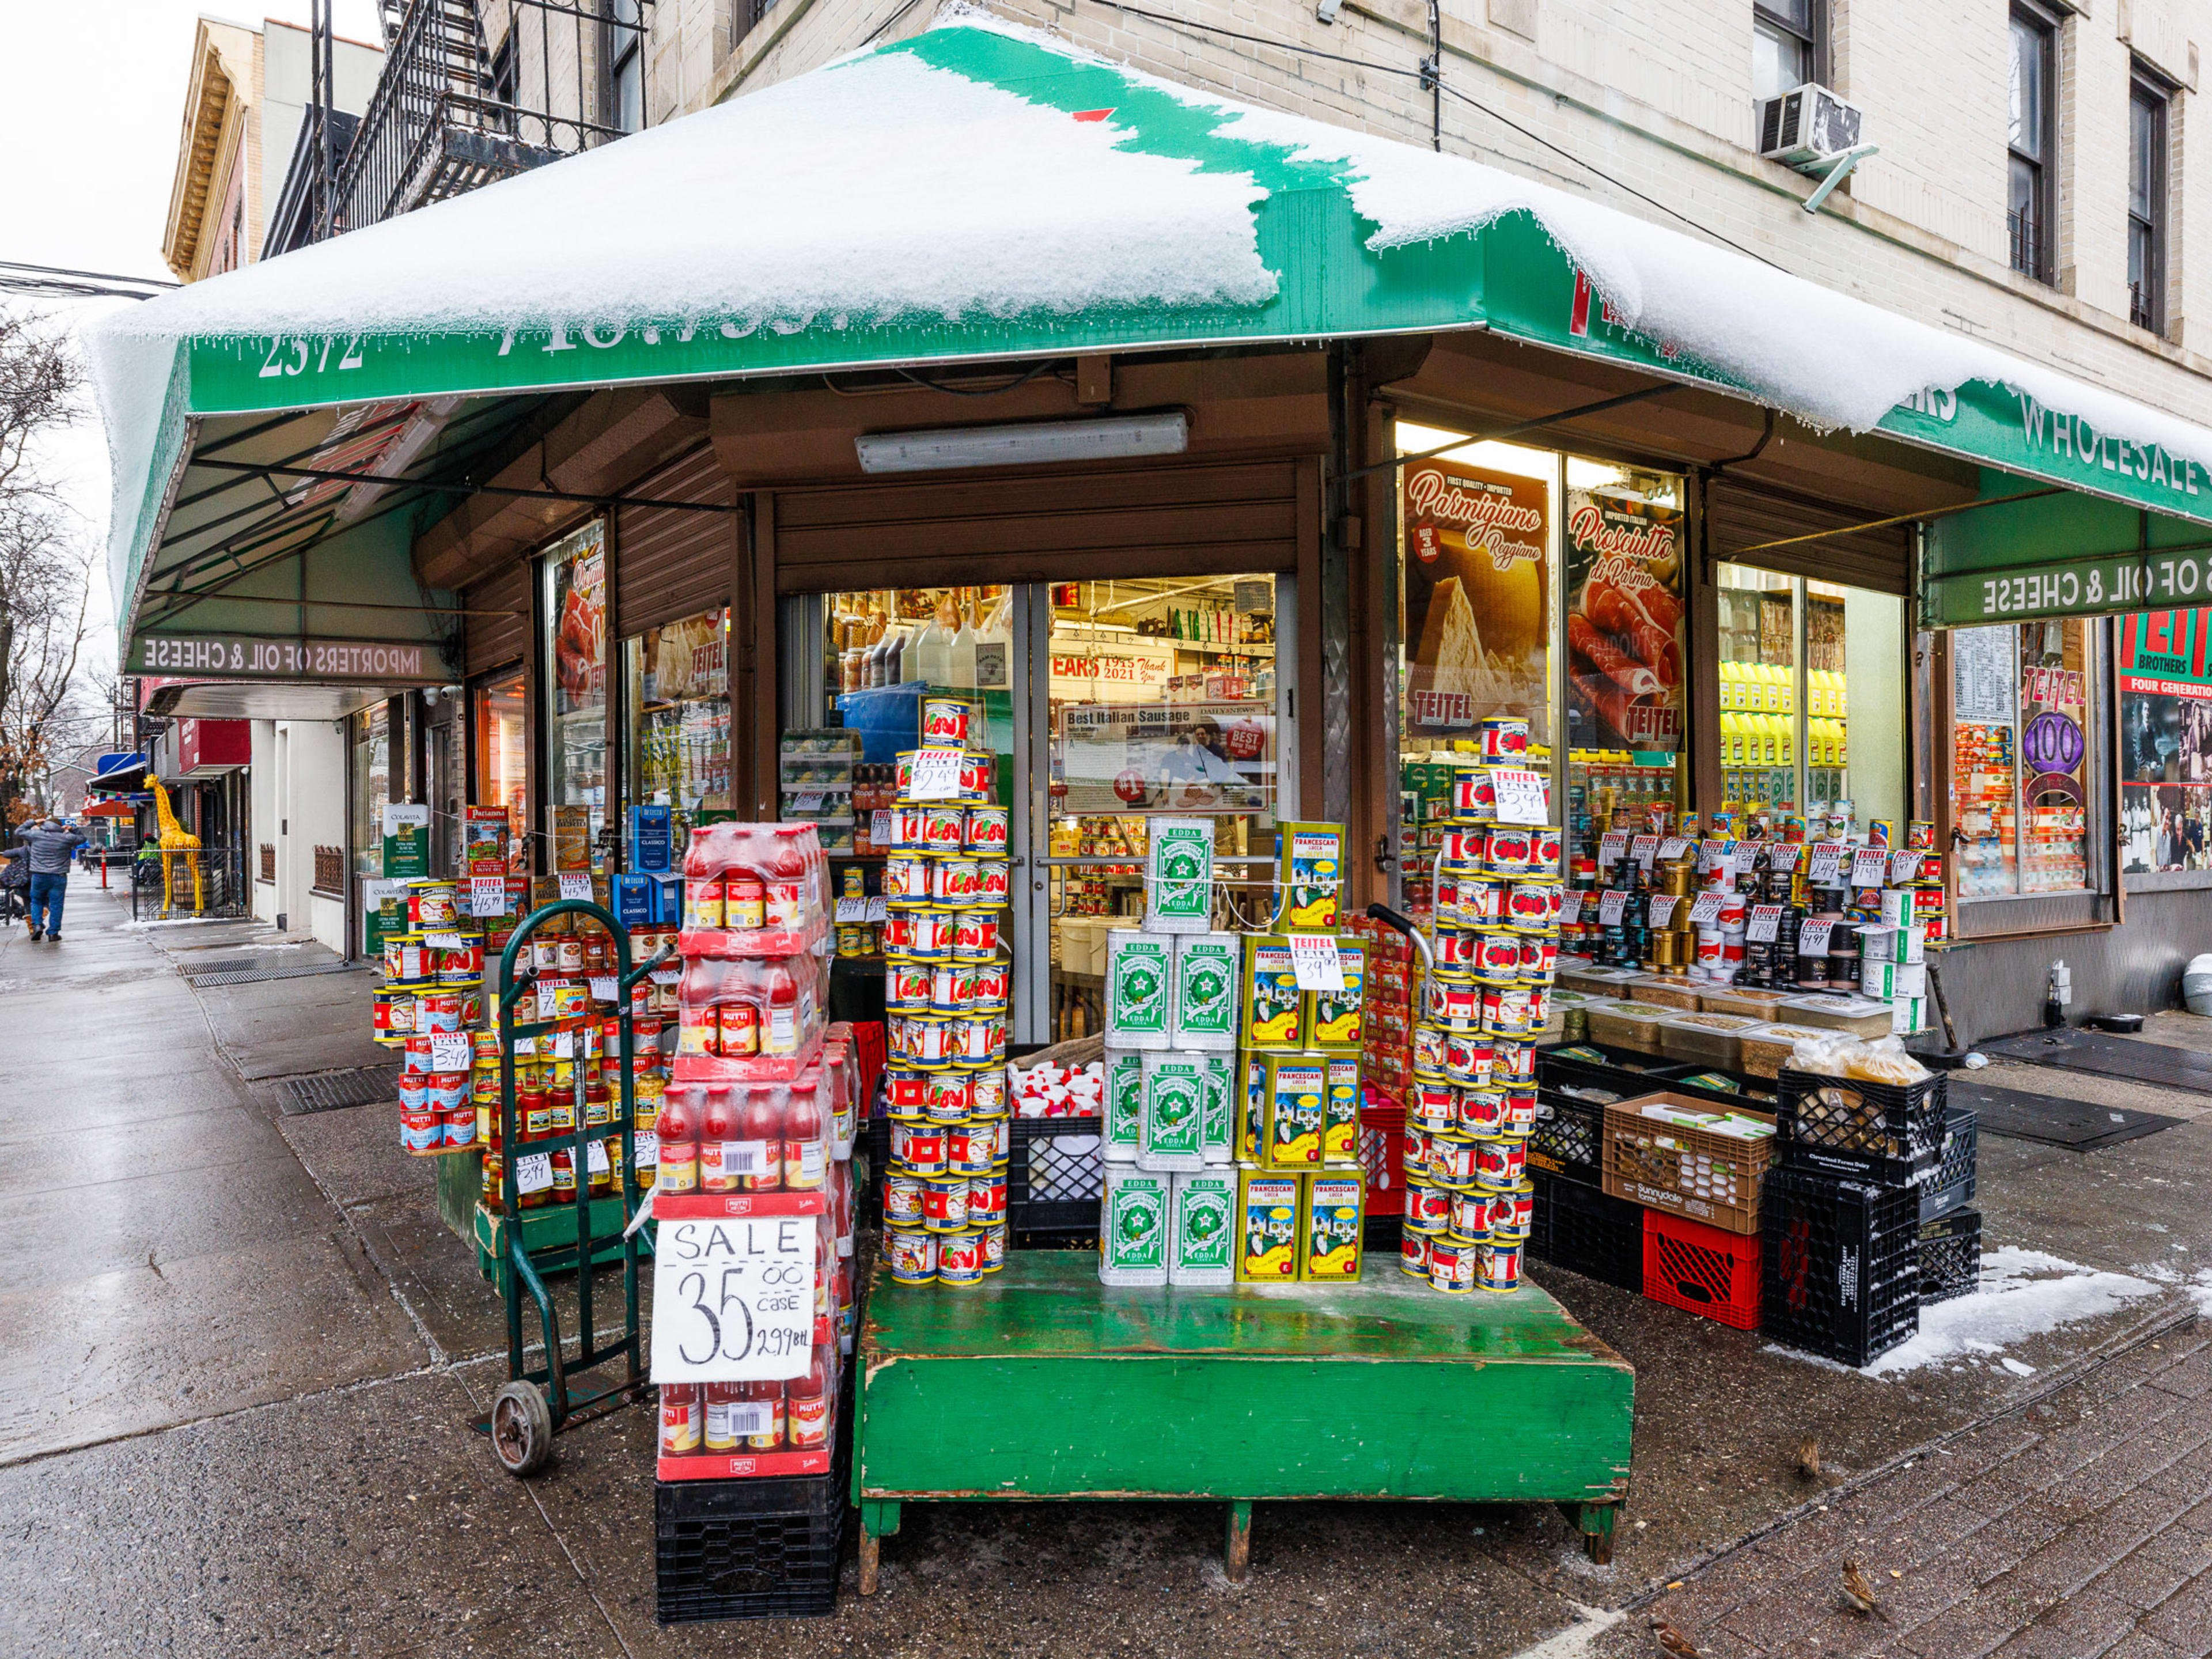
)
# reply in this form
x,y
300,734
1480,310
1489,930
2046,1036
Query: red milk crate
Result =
x,y
1382,1151
1701,1269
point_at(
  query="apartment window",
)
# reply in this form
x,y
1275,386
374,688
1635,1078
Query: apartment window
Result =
x,y
2146,104
626,61
2032,141
1785,39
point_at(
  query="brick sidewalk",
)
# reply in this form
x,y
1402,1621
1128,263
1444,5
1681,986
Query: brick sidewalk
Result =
x,y
2079,1527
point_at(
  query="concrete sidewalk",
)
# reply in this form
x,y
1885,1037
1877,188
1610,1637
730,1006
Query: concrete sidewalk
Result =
x,y
245,1352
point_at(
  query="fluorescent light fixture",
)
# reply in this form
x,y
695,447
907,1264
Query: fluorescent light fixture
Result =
x,y
1116,438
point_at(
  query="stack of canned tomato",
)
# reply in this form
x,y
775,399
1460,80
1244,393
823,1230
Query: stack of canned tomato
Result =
x,y
1472,1102
947,977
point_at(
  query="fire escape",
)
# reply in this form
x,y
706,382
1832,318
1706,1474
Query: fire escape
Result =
x,y
472,91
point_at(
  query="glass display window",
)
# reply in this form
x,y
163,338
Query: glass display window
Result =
x,y
2022,759
2164,666
574,574
678,752
502,760
369,775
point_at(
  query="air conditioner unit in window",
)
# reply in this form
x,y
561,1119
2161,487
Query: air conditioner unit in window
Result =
x,y
1808,128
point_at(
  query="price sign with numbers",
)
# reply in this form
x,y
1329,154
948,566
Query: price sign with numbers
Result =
x,y
807,802
1645,847
451,1051
1828,866
852,909
1520,795
1610,846
533,1172
1570,905
487,896
1782,857
576,886
1812,938
936,774
733,1299
1766,922
1869,866
1717,856
1610,904
1705,909
602,988
1904,867
666,975
1315,960
1662,911
879,908
1674,847
880,828
445,941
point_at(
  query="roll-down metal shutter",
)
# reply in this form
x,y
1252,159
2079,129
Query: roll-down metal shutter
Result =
x,y
669,564
1739,518
495,640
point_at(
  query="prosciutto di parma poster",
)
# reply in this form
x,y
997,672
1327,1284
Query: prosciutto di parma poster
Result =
x,y
1478,604
1625,622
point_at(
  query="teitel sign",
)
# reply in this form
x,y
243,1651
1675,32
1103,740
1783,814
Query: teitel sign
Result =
x,y
234,657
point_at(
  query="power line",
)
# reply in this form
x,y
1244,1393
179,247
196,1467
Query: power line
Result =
x,y
1588,165
15,276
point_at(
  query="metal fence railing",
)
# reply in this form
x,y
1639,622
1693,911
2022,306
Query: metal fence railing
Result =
x,y
209,882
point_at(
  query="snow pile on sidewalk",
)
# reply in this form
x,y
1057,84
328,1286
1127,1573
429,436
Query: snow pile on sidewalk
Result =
x,y
2022,1293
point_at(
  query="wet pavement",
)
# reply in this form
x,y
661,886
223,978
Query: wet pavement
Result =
x,y
245,1351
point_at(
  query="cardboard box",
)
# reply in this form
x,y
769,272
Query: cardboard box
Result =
x,y
1270,1216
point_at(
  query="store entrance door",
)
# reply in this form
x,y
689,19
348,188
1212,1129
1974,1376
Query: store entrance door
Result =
x,y
1109,703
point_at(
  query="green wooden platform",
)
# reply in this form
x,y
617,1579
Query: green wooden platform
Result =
x,y
1041,1383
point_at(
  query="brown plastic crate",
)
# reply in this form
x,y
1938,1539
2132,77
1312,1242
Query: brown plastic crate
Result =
x,y
1707,1177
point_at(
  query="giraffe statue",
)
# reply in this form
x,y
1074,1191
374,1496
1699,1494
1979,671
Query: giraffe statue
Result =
x,y
176,840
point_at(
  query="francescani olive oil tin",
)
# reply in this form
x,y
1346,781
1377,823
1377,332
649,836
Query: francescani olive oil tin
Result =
x,y
1310,869
1274,1007
1332,1220
1332,1016
1268,1214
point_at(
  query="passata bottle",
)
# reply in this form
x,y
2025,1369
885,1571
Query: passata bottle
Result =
x,y
764,1404
680,1414
808,1406
725,1402
803,1135
786,872
678,1129
760,1122
722,1151
780,1027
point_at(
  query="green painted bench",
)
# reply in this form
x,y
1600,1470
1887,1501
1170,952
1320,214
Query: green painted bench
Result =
x,y
1040,1382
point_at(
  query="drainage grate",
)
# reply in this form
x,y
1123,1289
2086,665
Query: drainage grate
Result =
x,y
255,974
330,1091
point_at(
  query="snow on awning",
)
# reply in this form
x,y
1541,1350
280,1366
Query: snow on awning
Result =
x,y
984,191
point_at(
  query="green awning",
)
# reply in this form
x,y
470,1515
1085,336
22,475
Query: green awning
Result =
x,y
981,192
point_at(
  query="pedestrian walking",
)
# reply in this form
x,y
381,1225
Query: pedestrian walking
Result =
x,y
48,847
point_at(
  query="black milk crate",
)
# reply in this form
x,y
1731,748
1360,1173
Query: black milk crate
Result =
x,y
1588,1232
1950,1256
1952,1186
1850,1130
1569,1138
1383,1233
1623,1074
1841,1265
1055,1176
753,1549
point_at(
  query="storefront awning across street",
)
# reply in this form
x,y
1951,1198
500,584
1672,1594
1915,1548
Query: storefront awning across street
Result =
x,y
982,192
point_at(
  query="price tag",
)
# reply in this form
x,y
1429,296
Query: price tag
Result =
x,y
1662,911
595,1158
451,1051
1610,904
880,828
1903,867
647,1146
807,803
1782,857
1869,866
1705,909
1765,920
564,1045
1812,938
666,975
1611,846
1570,905
1717,856
445,941
1828,866
1645,848
879,908
733,1299
533,1172
602,988
1672,847
576,886
852,909
1313,958
936,774
1521,795
488,895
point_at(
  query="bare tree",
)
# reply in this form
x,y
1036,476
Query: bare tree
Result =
x,y
45,573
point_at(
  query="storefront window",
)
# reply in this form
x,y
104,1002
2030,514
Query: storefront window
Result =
x,y
501,769
370,774
2021,760
678,754
576,577
2165,741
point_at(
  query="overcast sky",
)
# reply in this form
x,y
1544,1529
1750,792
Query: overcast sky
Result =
x,y
92,100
